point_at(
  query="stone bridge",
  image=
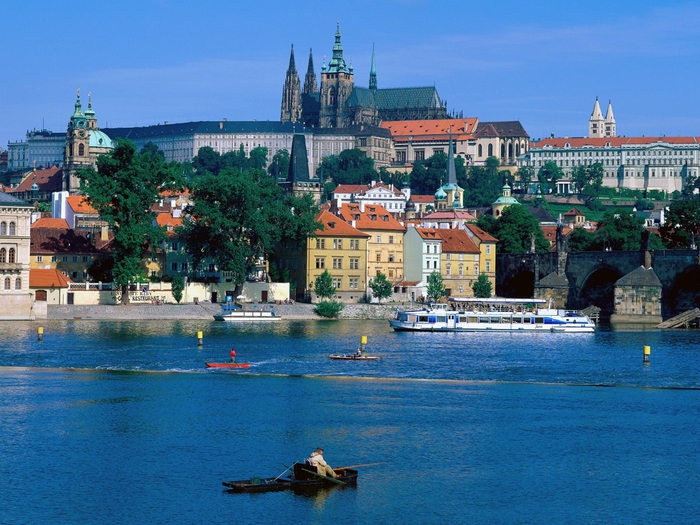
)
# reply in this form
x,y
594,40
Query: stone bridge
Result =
x,y
588,278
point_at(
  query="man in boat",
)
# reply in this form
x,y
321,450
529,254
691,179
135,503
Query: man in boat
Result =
x,y
323,468
233,355
358,353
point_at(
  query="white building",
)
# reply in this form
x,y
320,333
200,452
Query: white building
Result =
x,y
422,248
16,301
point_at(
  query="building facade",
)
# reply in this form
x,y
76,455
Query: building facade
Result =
x,y
16,300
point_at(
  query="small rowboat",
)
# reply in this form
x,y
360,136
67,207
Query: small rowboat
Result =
x,y
227,365
304,478
353,357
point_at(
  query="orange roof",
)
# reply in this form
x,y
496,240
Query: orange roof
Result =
x,y
173,193
463,215
579,142
165,219
422,199
336,227
79,204
550,232
350,188
50,222
430,234
574,211
47,279
439,129
457,241
375,217
481,234
47,180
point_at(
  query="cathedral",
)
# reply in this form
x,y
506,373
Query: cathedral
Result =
x,y
340,104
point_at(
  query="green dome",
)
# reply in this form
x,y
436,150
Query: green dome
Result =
x,y
99,139
440,195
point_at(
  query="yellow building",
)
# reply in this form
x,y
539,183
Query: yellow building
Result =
x,y
487,252
459,262
339,248
385,242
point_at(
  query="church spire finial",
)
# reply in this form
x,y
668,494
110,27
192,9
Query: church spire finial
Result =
x,y
373,73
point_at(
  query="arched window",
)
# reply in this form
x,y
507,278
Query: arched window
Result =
x,y
3,228
331,96
12,228
503,151
490,150
510,150
517,150
3,255
81,150
18,284
7,283
11,256
481,151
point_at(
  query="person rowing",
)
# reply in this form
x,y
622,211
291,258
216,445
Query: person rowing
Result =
x,y
323,468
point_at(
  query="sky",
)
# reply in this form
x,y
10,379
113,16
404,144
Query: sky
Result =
x,y
540,62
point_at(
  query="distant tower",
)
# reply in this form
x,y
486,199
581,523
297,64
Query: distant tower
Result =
x,y
77,153
596,124
610,126
373,73
291,93
298,179
310,85
337,82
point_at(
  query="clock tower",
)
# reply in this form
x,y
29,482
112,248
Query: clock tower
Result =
x,y
77,153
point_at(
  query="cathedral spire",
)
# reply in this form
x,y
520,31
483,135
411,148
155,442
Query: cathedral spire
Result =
x,y
596,126
310,85
337,63
291,93
292,64
451,170
373,73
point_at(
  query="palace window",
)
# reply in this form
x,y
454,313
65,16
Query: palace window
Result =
x,y
448,270
39,258
337,282
379,257
379,239
3,228
12,228
354,263
18,284
11,255
320,244
391,239
391,257
7,283
337,244
488,266
461,270
173,266
54,258
75,258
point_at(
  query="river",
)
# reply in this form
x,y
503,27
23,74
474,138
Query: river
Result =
x,y
120,423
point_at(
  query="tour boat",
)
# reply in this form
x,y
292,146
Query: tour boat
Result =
x,y
236,313
472,314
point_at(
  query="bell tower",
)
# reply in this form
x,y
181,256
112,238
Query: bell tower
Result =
x,y
337,82
77,153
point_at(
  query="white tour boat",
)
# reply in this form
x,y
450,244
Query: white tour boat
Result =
x,y
471,314
237,313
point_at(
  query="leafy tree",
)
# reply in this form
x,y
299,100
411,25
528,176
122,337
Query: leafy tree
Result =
x,y
682,226
178,286
235,159
515,230
122,190
426,181
351,166
43,207
101,268
484,185
482,286
624,232
548,176
279,167
237,217
152,149
436,288
323,285
525,176
579,176
397,178
381,287
330,309
581,240
206,161
258,158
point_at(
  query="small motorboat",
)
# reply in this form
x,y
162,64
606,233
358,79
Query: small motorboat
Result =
x,y
304,477
353,357
227,365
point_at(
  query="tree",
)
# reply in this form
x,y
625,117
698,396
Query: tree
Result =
x,y
351,166
206,161
178,286
525,175
484,184
152,149
682,226
237,217
381,287
279,167
623,232
258,158
482,286
581,240
436,288
516,229
323,285
122,190
548,176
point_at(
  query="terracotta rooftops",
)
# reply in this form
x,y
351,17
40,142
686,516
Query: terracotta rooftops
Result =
x,y
336,227
46,180
457,241
375,217
79,204
579,142
480,234
50,222
47,279
405,130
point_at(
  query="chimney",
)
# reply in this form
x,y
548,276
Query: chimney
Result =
x,y
362,206
104,233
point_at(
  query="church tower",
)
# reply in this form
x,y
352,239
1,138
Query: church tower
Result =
x,y
310,85
596,124
610,126
373,74
291,93
337,82
77,153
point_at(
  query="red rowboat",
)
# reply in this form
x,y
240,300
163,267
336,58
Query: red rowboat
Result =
x,y
227,365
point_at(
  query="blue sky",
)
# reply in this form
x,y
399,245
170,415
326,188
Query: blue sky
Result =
x,y
540,62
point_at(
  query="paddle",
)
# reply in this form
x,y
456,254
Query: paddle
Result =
x,y
364,465
285,470
324,477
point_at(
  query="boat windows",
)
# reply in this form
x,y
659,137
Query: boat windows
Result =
x,y
473,319
440,319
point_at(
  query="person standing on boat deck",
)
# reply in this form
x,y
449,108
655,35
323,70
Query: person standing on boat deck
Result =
x,y
233,355
323,468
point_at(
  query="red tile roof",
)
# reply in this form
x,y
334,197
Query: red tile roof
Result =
x,y
457,241
50,222
439,129
375,217
449,214
79,204
481,234
579,142
50,179
49,241
430,234
47,279
336,227
423,199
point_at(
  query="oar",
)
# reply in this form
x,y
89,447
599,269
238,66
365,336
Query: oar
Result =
x,y
364,465
325,477
285,470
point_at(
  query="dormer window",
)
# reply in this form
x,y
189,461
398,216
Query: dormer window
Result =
x,y
331,225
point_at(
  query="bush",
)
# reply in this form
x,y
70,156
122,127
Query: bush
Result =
x,y
330,309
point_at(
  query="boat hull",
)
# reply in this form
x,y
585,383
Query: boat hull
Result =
x,y
353,358
250,317
301,481
227,365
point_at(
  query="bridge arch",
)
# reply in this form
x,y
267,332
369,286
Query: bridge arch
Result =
x,y
598,289
683,293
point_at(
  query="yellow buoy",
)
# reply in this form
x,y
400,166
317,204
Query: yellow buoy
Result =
x,y
200,337
363,340
647,352
40,332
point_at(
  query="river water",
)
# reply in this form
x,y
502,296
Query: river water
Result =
x,y
120,423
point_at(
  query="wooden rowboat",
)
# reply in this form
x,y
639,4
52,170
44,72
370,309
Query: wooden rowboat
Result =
x,y
227,365
304,478
353,357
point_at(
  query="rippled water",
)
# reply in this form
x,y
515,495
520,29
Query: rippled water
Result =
x,y
121,423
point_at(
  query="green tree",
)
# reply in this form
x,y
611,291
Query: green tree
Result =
x,y
484,185
237,217
525,176
323,285
581,240
279,167
381,287
330,309
258,158
682,226
548,176
516,228
482,286
178,286
436,288
623,231
351,166
123,189
206,161
152,149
